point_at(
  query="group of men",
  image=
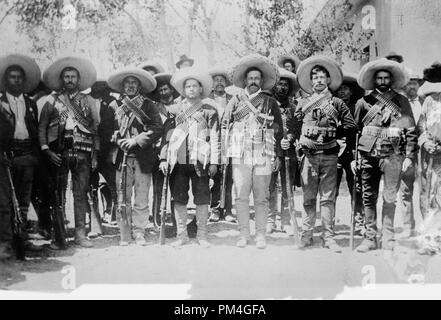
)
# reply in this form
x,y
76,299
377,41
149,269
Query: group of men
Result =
x,y
184,129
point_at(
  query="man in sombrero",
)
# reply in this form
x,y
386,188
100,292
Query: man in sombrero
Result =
x,y
184,62
285,89
350,92
68,134
138,126
324,119
289,62
387,145
190,151
253,144
164,96
429,127
19,75
221,98
152,66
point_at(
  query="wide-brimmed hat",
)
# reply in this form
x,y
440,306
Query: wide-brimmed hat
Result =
x,y
150,64
87,71
414,76
350,79
292,78
182,75
162,79
366,76
220,71
183,59
394,55
432,75
289,58
305,68
148,82
270,71
29,66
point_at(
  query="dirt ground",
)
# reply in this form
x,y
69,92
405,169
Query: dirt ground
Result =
x,y
222,271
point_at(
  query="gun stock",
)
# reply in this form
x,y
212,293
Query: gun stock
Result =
x,y
124,225
164,207
354,194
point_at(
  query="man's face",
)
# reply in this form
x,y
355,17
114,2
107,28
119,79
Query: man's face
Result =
x,y
412,88
165,93
282,87
344,93
253,81
185,64
383,81
288,66
100,91
219,83
320,81
192,89
15,81
71,80
131,86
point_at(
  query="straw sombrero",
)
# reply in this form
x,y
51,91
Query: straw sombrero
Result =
x,y
51,76
306,66
148,83
182,75
394,55
292,78
220,71
162,79
366,76
289,58
269,70
183,59
30,67
150,64
432,76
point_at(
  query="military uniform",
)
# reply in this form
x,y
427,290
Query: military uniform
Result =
x,y
388,136
324,119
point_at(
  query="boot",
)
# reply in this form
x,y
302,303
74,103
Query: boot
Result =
x,y
201,220
182,235
367,245
81,239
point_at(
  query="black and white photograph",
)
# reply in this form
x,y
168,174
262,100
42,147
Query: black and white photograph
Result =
x,y
231,151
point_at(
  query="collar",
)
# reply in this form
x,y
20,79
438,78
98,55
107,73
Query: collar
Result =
x,y
383,92
251,96
10,97
222,96
324,92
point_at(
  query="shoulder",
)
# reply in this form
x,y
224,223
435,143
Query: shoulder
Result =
x,y
174,108
208,107
266,95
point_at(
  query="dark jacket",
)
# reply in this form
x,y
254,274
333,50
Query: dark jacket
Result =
x,y
146,138
406,122
7,119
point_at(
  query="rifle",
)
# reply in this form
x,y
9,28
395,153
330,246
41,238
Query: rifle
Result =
x,y
354,194
429,178
122,203
225,160
164,205
94,215
19,234
291,206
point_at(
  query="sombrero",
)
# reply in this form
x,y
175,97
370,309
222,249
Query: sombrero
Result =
x,y
292,78
367,73
432,75
51,76
394,55
306,66
148,83
182,59
350,79
414,76
30,67
269,70
182,75
162,79
150,64
220,71
290,58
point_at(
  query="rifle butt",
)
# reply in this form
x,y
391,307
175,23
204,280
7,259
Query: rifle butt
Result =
x,y
291,206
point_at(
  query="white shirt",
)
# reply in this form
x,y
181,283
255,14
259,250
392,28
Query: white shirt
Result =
x,y
251,96
18,108
416,108
221,104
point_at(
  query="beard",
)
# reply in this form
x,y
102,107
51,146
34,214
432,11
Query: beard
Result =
x,y
383,88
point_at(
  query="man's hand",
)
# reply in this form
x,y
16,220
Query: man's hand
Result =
x,y
163,166
276,164
127,144
430,147
354,167
407,164
54,158
212,170
94,161
285,144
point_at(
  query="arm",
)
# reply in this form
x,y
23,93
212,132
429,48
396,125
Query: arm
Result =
x,y
422,124
278,128
155,127
410,129
348,127
214,132
46,114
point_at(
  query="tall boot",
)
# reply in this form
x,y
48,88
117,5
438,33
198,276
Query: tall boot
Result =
x,y
202,219
181,213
